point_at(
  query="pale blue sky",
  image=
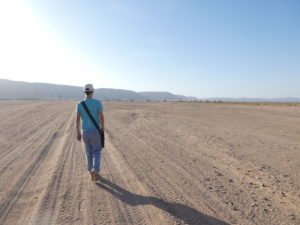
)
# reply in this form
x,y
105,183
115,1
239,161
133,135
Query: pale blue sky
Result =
x,y
232,48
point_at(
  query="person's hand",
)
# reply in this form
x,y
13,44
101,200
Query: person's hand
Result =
x,y
78,136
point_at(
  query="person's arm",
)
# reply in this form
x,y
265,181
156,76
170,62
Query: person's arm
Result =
x,y
101,117
78,126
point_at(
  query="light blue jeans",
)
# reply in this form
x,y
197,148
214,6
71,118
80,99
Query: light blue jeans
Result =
x,y
93,149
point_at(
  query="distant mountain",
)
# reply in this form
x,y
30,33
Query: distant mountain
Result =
x,y
289,99
116,94
25,90
160,96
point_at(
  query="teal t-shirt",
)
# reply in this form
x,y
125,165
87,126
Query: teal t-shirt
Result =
x,y
94,107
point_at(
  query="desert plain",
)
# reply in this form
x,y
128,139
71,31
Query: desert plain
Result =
x,y
163,163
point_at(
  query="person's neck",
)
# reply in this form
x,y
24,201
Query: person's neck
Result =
x,y
88,96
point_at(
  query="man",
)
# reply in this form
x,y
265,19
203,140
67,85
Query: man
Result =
x,y
91,136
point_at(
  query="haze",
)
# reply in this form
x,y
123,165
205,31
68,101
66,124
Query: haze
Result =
x,y
195,48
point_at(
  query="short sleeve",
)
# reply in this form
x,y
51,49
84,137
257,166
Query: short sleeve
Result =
x,y
100,107
78,108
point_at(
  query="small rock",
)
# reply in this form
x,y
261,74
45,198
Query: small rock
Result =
x,y
219,174
235,208
230,180
253,205
266,210
264,185
283,194
292,216
266,199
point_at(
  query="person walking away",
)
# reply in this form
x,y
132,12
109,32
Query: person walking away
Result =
x,y
90,134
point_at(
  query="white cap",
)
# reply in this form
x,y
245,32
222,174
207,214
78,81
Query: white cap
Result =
x,y
88,87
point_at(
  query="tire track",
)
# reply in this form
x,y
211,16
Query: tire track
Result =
x,y
232,183
20,126
31,143
167,198
11,198
165,177
127,215
23,186
151,174
134,210
55,192
263,187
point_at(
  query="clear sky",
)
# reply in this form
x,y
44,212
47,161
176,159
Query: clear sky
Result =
x,y
202,48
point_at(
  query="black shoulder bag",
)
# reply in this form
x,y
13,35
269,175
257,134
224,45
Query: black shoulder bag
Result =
x,y
101,132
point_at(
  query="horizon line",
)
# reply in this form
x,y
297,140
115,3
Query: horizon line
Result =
x,y
200,98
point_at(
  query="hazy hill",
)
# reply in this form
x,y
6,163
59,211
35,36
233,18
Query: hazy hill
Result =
x,y
288,99
25,90
160,96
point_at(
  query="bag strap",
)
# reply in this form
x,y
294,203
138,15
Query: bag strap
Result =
x,y
90,115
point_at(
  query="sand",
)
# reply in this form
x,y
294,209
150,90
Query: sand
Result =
x,y
164,163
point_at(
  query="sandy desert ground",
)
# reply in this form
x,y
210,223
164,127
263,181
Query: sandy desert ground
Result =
x,y
164,163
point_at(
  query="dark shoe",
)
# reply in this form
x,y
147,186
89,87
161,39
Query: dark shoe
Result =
x,y
94,175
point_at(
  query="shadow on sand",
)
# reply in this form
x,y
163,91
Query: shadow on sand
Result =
x,y
183,212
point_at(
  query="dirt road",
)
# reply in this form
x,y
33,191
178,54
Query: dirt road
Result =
x,y
164,163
